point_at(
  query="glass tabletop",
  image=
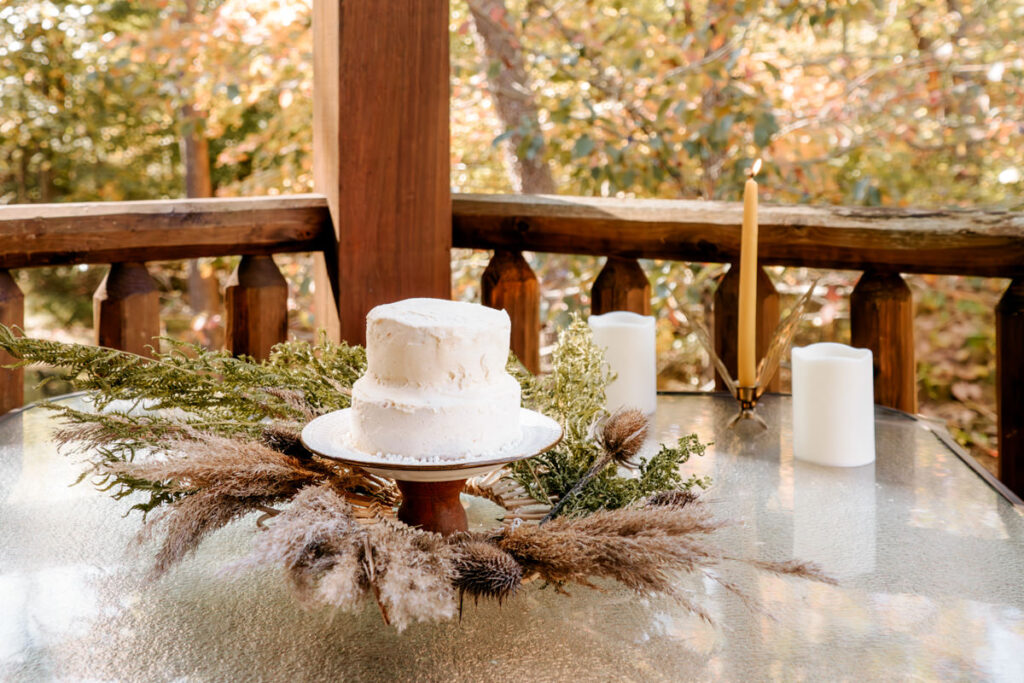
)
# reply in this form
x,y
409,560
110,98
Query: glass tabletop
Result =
x,y
929,558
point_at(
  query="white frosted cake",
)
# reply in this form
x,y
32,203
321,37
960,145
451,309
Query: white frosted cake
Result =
x,y
435,385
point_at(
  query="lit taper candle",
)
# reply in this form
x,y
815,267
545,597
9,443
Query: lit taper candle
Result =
x,y
746,359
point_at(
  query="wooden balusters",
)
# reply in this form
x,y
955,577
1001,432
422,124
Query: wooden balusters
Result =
x,y
1010,385
727,306
621,285
509,283
256,302
882,319
12,313
126,309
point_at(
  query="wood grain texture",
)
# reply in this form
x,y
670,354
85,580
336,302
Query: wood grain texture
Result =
x,y
433,506
256,303
108,232
12,313
726,313
1010,385
621,285
882,319
510,284
126,309
381,155
989,243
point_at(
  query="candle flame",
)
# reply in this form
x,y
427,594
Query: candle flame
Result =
x,y
755,169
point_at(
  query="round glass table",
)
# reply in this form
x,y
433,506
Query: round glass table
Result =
x,y
929,556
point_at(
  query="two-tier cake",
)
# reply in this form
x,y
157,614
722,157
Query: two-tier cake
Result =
x,y
436,385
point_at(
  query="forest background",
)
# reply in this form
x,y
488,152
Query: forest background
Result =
x,y
852,102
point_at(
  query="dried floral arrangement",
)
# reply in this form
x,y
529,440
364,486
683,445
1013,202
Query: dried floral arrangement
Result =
x,y
207,438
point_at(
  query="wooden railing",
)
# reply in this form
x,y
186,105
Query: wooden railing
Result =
x,y
881,242
126,305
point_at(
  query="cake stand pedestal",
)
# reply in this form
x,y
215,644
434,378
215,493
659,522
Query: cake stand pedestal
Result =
x,y
433,505
430,490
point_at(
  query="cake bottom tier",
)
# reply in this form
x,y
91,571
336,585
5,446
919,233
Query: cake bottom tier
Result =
x,y
422,424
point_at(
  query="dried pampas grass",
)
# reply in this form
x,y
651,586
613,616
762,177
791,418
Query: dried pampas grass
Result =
x,y
318,544
331,559
411,574
640,548
218,479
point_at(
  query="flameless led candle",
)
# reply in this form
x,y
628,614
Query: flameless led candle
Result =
x,y
745,355
628,343
833,405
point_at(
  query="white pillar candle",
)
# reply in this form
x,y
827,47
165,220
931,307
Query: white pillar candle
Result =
x,y
628,343
833,405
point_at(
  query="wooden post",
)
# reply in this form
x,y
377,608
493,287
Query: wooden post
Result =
x,y
1010,385
12,313
726,310
257,307
509,283
380,135
126,309
882,319
621,285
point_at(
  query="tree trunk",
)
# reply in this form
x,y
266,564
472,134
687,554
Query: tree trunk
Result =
x,y
204,296
513,99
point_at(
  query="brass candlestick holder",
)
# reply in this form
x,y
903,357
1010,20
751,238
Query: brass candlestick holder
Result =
x,y
781,340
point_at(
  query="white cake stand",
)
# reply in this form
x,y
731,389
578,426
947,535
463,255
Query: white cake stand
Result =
x,y
430,490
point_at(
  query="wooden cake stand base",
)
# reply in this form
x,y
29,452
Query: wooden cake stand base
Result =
x,y
433,505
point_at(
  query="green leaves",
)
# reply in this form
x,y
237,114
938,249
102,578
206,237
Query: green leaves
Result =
x,y
573,393
765,126
583,147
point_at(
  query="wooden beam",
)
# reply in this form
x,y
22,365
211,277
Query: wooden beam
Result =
x,y
109,232
988,243
508,283
381,155
126,310
882,319
12,314
727,311
622,285
1010,385
256,303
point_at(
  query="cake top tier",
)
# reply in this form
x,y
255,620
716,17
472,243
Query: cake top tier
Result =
x,y
434,343
440,315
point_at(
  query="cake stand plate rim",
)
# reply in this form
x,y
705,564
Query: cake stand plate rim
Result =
x,y
539,423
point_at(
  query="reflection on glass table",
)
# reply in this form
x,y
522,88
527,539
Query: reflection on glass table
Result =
x,y
929,556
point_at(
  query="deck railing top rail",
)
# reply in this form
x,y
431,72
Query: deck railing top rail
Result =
x,y
110,232
964,242
950,241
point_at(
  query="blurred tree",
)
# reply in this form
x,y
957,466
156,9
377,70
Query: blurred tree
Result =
x,y
513,97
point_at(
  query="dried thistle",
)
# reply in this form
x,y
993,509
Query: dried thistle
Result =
x,y
621,438
623,433
483,570
674,498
